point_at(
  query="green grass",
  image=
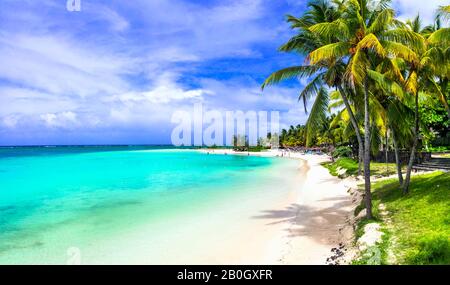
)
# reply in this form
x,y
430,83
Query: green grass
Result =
x,y
447,155
375,255
420,220
438,148
351,167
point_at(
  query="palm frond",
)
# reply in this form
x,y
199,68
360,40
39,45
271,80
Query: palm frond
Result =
x,y
318,114
444,12
435,58
330,51
393,69
336,104
411,83
415,24
387,85
301,43
413,40
310,90
357,68
441,37
438,91
396,49
329,30
370,41
381,22
289,73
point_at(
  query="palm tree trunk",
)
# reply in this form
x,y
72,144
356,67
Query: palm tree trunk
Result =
x,y
447,108
368,193
444,85
412,157
386,152
355,127
397,158
360,157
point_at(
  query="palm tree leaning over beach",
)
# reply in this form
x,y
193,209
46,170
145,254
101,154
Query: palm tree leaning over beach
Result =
x,y
366,33
359,48
324,73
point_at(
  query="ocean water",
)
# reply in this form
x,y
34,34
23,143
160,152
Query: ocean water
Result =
x,y
110,205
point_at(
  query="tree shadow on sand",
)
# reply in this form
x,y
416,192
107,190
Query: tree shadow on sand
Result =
x,y
309,221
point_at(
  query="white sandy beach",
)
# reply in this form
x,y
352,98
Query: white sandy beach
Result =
x,y
304,228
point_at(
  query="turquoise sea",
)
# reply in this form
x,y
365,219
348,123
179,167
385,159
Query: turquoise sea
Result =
x,y
125,205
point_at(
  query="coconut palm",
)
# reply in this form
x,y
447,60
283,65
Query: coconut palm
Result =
x,y
366,33
397,114
443,13
422,62
432,55
379,65
440,43
326,72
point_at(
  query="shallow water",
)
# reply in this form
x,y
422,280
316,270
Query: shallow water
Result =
x,y
122,206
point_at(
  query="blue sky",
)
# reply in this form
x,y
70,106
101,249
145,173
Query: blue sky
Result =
x,y
115,72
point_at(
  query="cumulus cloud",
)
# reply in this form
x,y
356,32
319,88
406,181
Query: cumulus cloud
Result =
x,y
165,90
10,121
409,9
116,69
64,119
59,65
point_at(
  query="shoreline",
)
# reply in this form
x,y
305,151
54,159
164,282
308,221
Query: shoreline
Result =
x,y
291,212
316,219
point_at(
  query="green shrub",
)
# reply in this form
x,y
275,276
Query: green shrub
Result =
x,y
433,249
438,148
342,151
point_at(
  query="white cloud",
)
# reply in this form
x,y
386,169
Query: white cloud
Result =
x,y
408,9
229,28
65,119
91,70
29,102
117,22
58,65
10,121
165,90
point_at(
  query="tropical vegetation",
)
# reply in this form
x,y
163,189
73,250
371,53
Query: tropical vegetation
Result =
x,y
373,81
419,231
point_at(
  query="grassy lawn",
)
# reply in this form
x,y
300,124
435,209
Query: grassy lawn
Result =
x,y
419,231
447,155
351,166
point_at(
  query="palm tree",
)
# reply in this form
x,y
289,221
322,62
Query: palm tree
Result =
x,y
366,33
443,13
431,52
441,44
395,102
423,61
376,63
328,72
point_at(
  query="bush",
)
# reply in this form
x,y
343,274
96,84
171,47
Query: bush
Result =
x,y
342,151
438,148
434,249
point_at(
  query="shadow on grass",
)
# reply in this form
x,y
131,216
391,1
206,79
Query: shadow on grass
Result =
x,y
435,187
